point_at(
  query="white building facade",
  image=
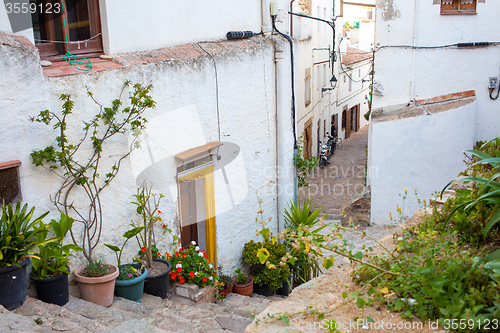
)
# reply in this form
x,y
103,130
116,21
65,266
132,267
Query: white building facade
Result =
x,y
221,102
319,101
431,97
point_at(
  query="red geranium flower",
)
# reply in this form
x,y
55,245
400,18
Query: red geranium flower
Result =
x,y
179,269
143,249
204,279
191,274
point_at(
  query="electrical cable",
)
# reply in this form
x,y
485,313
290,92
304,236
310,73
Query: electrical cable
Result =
x,y
491,93
293,79
71,58
345,72
216,92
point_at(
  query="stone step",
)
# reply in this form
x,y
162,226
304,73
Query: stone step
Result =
x,y
152,315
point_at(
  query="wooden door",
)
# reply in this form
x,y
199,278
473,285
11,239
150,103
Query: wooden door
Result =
x,y
348,123
189,226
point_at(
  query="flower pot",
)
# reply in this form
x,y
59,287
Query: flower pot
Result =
x,y
13,285
263,290
285,289
98,290
131,289
224,292
53,290
245,289
158,285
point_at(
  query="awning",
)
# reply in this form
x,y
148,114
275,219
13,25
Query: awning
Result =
x,y
198,150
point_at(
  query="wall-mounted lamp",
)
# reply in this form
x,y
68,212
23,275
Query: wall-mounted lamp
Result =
x,y
333,83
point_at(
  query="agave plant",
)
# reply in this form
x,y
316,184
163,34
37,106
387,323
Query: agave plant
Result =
x,y
18,234
489,188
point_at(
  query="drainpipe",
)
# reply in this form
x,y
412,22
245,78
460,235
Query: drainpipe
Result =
x,y
291,18
413,56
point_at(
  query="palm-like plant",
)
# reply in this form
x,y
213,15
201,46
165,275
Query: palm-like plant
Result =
x,y
18,235
296,216
489,188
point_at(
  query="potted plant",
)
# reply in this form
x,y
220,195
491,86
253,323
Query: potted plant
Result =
x,y
243,283
96,282
271,273
191,265
50,266
225,285
157,283
130,281
17,239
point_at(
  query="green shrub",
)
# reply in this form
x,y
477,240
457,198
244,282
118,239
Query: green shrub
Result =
x,y
274,272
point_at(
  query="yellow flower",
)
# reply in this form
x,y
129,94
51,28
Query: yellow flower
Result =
x,y
406,192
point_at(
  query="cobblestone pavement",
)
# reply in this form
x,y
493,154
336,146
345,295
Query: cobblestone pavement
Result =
x,y
331,186
152,315
336,183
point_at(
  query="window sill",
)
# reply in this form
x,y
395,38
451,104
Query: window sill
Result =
x,y
63,68
458,12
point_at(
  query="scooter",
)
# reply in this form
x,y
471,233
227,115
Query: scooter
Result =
x,y
332,144
323,155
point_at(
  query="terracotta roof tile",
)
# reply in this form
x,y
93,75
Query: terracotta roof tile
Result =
x,y
353,56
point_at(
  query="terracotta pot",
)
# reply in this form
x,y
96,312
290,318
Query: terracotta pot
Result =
x,y
98,290
243,289
227,291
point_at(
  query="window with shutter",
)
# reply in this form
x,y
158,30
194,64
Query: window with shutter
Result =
x,y
458,6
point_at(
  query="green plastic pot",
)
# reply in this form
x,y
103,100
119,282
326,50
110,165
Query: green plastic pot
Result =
x,y
131,289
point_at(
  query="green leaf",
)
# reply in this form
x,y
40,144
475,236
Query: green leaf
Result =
x,y
400,304
371,291
492,221
131,233
358,255
370,320
360,302
327,263
490,257
344,295
113,247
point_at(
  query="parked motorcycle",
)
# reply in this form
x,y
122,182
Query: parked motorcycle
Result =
x,y
323,155
332,144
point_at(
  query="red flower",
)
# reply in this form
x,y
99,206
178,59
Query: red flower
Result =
x,y
191,274
204,279
164,226
176,254
181,280
180,250
179,269
143,249
159,212
184,256
205,256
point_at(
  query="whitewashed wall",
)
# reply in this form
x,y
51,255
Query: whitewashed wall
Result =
x,y
425,153
185,117
406,74
420,153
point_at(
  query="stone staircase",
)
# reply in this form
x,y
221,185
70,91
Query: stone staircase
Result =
x,y
152,315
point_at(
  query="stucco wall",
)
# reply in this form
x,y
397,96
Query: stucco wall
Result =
x,y
185,117
407,74
415,149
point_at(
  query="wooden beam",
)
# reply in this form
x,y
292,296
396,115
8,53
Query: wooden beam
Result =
x,y
198,150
